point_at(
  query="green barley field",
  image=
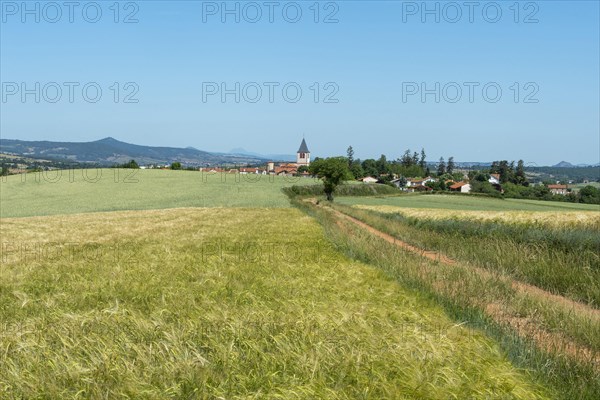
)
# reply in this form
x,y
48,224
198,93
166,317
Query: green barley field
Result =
x,y
77,191
180,285
223,303
466,203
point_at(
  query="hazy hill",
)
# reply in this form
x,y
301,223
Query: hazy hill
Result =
x,y
110,151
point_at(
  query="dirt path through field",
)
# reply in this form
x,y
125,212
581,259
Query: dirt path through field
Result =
x,y
525,327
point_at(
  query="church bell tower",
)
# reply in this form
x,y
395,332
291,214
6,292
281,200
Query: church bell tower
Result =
x,y
303,154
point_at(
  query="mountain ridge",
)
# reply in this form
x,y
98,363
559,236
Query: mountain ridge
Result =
x,y
110,151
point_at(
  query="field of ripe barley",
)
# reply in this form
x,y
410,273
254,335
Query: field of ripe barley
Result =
x,y
467,203
553,219
223,303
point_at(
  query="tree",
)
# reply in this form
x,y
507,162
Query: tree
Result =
x,y
520,177
402,182
406,159
4,171
450,166
415,158
422,162
370,167
176,165
333,171
382,165
357,170
590,195
301,169
350,154
132,164
504,169
441,167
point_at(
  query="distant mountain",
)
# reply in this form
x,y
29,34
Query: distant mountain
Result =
x,y
271,157
563,164
469,164
109,151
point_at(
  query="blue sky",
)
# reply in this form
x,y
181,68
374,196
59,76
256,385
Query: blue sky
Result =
x,y
375,61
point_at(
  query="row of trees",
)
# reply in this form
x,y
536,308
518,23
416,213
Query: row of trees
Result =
x,y
509,173
410,164
132,164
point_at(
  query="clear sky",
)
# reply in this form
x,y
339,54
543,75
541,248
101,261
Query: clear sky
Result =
x,y
374,58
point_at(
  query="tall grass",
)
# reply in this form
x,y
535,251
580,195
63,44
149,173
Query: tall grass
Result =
x,y
468,202
93,190
578,328
468,296
200,304
563,261
343,190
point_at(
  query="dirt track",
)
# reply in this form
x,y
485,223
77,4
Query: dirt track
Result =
x,y
525,327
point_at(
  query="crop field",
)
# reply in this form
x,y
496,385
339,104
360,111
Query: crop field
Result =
x,y
175,284
79,191
558,252
551,219
534,287
199,303
467,203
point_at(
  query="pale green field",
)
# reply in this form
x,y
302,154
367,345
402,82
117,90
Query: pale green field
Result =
x,y
223,303
550,219
466,203
68,192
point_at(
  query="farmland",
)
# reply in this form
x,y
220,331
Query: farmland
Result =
x,y
557,253
551,219
196,303
183,285
466,203
531,274
78,191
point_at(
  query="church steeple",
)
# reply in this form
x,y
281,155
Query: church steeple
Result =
x,y
303,147
303,154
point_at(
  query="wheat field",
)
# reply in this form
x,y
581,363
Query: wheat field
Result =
x,y
235,303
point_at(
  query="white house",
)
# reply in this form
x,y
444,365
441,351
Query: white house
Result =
x,y
369,179
462,187
418,181
494,179
558,189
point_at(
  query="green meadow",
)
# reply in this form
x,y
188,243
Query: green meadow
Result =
x,y
467,202
178,284
79,191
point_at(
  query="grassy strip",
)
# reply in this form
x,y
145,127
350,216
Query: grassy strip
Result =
x,y
564,262
579,328
466,295
462,202
343,190
561,220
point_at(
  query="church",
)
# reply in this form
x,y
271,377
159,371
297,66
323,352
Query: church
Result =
x,y
302,160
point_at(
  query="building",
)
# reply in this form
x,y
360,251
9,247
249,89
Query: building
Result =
x,y
288,169
494,179
559,189
462,187
413,182
369,179
303,154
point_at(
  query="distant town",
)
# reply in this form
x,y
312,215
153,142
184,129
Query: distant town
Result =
x,y
412,172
